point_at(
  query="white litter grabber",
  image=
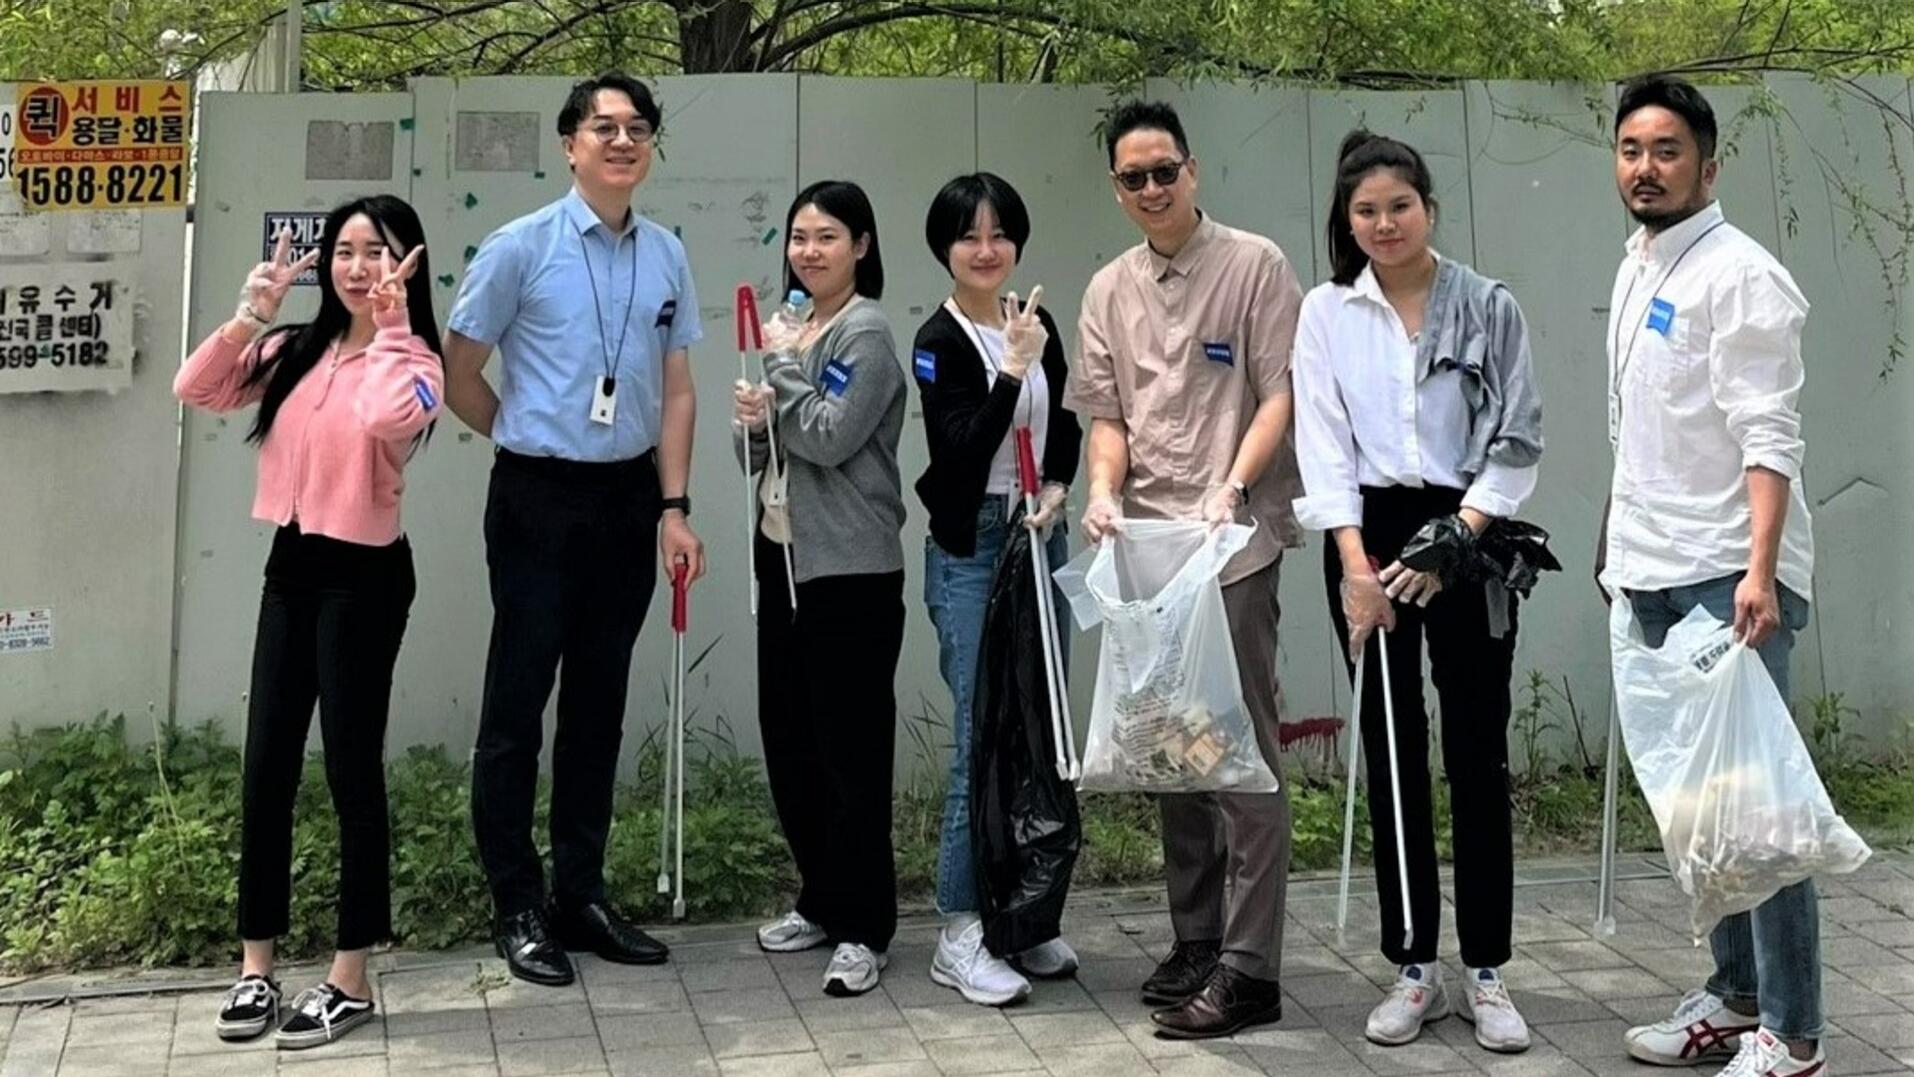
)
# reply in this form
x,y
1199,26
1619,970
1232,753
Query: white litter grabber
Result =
x,y
1354,730
1395,793
674,768
1605,888
1068,766
750,339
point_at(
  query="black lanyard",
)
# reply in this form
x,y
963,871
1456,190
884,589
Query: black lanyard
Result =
x,y
611,356
1621,358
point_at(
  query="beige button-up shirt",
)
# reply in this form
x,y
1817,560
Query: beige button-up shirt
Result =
x,y
1183,350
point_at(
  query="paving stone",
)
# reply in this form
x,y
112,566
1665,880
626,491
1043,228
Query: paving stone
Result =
x,y
520,1024
733,974
657,1060
1311,1051
535,1058
1054,1029
1212,1061
871,1010
953,1022
972,1055
864,1046
1604,984
652,997
1093,1060
796,1065
750,1004
768,1037
1576,956
632,1031
340,1067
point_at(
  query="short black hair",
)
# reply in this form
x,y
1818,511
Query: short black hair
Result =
x,y
848,203
1363,151
1141,115
955,208
1678,96
578,102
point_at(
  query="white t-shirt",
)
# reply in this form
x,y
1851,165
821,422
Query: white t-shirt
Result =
x,y
1033,405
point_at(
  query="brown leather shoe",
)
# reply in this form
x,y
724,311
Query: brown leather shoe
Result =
x,y
1229,1002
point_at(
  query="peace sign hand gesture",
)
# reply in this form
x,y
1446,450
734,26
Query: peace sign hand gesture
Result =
x,y
1024,334
268,283
389,293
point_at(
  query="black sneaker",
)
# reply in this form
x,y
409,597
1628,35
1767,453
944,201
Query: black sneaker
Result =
x,y
1183,973
319,1016
251,1007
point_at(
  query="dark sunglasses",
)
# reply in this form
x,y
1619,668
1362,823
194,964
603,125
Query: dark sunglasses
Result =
x,y
1164,175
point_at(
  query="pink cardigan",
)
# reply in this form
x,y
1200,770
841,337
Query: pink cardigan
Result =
x,y
335,457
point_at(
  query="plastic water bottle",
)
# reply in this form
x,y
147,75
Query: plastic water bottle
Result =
x,y
791,318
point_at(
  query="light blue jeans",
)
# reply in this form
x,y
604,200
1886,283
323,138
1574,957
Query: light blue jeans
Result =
x,y
957,592
1770,957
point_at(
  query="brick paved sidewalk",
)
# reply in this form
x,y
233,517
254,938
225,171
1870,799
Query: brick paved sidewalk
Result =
x,y
722,1008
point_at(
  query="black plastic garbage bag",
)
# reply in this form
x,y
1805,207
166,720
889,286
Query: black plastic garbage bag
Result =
x,y
1025,833
1513,553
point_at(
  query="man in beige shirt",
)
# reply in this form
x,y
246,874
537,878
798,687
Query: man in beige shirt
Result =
x,y
1183,372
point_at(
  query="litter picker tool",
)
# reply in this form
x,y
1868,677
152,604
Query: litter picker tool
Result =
x,y
1069,768
1395,792
674,769
1354,730
1605,887
750,339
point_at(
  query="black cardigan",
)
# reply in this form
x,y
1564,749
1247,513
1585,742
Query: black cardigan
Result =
x,y
966,419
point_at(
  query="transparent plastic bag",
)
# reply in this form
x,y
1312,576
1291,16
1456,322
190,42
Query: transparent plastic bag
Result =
x,y
1742,811
1168,714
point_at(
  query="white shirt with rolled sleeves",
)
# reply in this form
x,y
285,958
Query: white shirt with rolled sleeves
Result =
x,y
1366,415
1704,382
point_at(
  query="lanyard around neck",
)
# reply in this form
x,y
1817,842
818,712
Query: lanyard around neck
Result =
x,y
611,355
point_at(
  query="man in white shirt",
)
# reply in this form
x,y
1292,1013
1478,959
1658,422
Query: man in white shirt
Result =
x,y
1706,509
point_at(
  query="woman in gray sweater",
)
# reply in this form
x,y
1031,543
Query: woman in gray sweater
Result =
x,y
827,711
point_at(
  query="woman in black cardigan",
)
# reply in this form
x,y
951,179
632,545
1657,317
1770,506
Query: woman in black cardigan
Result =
x,y
985,366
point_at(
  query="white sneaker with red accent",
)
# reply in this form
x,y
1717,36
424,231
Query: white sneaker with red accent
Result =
x,y
1764,1055
1702,1029
1416,999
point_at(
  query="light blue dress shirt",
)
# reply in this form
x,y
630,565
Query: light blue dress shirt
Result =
x,y
556,291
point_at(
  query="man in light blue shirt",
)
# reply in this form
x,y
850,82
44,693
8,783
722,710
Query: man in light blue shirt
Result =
x,y
592,311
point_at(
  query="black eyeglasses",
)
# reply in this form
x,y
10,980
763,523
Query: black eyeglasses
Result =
x,y
1164,175
607,132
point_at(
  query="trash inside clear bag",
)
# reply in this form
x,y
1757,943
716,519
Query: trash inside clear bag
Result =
x,y
1741,809
1168,713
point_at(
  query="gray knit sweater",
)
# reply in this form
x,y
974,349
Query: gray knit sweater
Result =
x,y
839,411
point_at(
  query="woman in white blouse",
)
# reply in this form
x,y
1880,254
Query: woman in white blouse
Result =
x,y
1415,403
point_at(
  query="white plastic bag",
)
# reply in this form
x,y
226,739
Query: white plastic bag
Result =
x,y
1741,809
1168,715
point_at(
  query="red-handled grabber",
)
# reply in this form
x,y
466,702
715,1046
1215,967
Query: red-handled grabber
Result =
x,y
750,339
674,769
1068,767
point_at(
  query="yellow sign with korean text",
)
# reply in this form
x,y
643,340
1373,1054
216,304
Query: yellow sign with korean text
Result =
x,y
101,144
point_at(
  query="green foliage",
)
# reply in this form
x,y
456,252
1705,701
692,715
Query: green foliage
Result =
x,y
367,44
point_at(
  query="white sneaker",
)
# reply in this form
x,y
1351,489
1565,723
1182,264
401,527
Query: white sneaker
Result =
x,y
853,969
1487,1006
1416,999
1051,960
965,963
1763,1055
789,934
1702,1028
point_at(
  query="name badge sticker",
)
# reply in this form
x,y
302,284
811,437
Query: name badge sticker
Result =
x,y
1661,316
666,314
924,362
1219,351
836,377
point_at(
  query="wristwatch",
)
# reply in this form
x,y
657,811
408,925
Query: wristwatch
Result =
x,y
681,503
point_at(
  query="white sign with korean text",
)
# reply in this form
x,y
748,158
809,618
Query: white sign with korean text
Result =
x,y
66,327
26,631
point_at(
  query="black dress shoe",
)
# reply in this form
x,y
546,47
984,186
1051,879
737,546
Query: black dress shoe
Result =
x,y
1229,1002
525,942
1183,973
595,928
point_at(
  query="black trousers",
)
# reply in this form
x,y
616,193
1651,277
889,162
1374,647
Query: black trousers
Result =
x,y
330,621
827,714
1471,673
572,550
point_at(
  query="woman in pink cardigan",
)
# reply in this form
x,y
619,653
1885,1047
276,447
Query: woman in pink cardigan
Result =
x,y
343,402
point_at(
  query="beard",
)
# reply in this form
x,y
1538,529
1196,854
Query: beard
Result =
x,y
1660,220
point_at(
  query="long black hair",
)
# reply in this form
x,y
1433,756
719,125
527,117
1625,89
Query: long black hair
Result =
x,y
847,202
301,346
1363,152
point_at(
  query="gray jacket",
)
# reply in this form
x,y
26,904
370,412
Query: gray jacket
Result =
x,y
1472,322
840,409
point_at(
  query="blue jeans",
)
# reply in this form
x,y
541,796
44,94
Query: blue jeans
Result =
x,y
1770,957
957,591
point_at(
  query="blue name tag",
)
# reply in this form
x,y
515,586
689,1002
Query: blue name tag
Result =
x,y
423,392
925,363
836,378
1220,352
1661,315
666,314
